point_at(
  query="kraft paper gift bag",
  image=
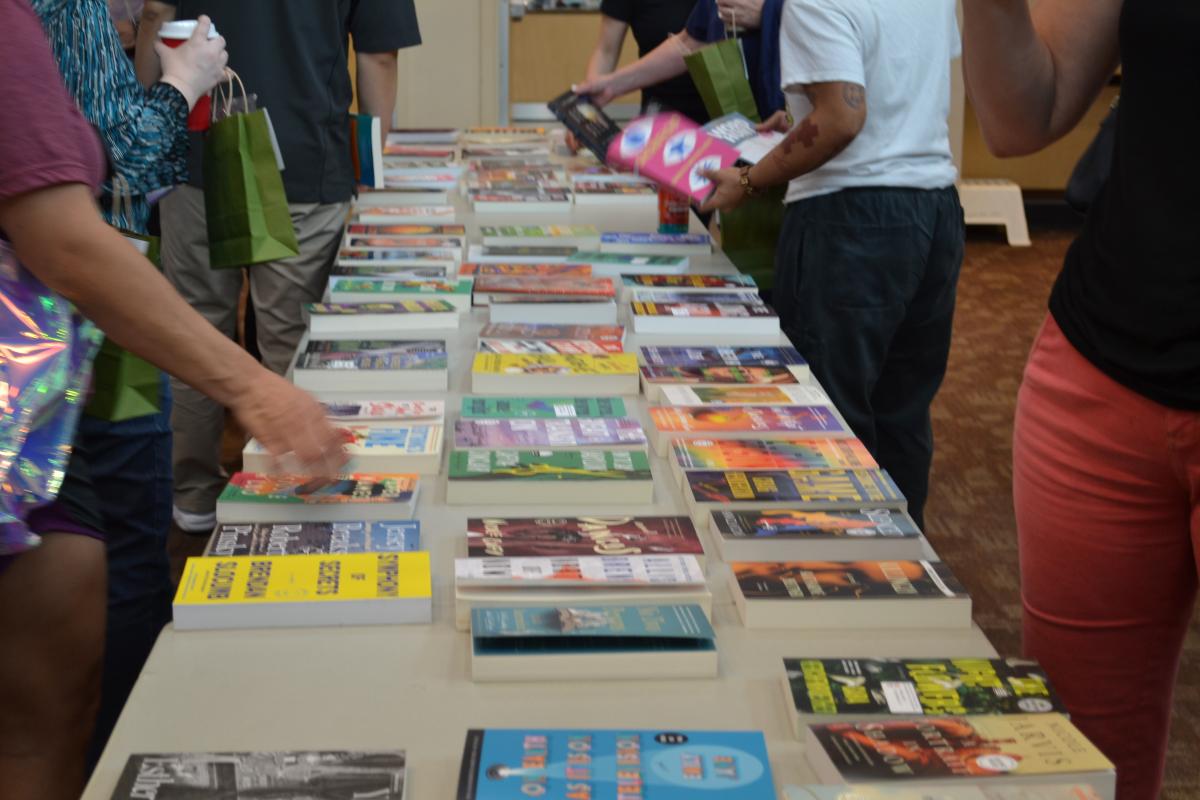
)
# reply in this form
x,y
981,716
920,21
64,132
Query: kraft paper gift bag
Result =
x,y
244,199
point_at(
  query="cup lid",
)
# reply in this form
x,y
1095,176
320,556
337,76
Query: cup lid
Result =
x,y
183,29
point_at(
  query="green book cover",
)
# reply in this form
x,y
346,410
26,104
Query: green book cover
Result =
x,y
400,287
543,408
543,466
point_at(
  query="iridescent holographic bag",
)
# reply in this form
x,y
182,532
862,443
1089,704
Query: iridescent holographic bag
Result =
x,y
46,351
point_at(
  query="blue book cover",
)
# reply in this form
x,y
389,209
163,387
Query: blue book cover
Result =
x,y
299,538
566,764
722,356
644,239
577,629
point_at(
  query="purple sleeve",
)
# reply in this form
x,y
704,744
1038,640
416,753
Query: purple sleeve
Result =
x,y
44,140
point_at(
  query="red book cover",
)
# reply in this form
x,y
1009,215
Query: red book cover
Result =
x,y
673,151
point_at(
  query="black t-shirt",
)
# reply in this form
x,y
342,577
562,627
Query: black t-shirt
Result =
x,y
293,55
1128,297
652,21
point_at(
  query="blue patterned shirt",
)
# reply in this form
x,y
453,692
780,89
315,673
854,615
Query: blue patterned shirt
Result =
x,y
144,131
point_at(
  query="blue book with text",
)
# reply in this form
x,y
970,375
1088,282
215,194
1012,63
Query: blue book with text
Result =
x,y
567,764
711,356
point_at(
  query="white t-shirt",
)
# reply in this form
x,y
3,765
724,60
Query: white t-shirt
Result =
x,y
900,51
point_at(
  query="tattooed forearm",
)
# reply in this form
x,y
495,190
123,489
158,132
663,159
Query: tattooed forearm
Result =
x,y
854,96
805,133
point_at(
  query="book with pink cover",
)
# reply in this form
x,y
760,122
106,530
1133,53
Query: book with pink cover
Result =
x,y
671,150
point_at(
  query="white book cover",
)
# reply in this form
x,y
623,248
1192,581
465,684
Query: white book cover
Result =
x,y
681,570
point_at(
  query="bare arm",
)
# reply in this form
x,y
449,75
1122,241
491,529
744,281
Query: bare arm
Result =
x,y
58,234
1032,75
838,115
145,59
661,63
607,51
377,86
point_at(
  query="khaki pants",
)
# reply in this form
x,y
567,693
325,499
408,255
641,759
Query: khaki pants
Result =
x,y
279,290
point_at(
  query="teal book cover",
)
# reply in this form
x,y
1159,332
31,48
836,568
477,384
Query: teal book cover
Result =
x,y
580,629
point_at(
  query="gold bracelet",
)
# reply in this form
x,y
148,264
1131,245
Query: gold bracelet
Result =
x,y
747,187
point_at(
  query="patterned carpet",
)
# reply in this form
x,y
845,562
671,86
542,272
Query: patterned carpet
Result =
x,y
1001,302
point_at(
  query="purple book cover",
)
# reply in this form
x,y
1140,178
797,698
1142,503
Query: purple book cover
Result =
x,y
547,433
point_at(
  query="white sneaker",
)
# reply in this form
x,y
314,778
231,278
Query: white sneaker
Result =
x,y
191,522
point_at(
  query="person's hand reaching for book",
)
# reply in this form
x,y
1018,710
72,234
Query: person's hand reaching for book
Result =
x,y
779,122
601,91
728,192
290,424
197,65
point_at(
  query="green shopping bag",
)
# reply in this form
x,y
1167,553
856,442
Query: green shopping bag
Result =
x,y
125,386
247,208
719,72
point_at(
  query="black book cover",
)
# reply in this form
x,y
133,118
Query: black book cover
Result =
x,y
592,127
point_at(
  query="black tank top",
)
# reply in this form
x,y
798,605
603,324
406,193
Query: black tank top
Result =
x,y
1128,297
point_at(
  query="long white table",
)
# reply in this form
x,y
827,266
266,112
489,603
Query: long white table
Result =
x,y
408,687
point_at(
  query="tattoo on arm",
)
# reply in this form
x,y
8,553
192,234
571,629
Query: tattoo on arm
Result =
x,y
854,96
805,133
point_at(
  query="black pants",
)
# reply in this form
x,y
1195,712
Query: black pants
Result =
x,y
864,286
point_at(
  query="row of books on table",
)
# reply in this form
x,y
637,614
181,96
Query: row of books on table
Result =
x,y
779,494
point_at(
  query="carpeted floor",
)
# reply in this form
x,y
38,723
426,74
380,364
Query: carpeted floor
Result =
x,y
1001,302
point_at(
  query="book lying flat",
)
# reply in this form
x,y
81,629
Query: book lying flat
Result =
x,y
250,497
339,320
313,775
834,595
1029,791
704,318
783,534
615,264
582,642
542,408
607,335
386,410
591,375
366,365
507,477
860,689
492,537
572,235
796,394
656,244
669,423
349,290
297,538
443,231
649,283
548,434
763,454
655,379
1004,750
527,270
717,356
622,764
415,447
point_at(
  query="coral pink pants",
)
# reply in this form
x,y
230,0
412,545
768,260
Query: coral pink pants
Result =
x,y
1107,491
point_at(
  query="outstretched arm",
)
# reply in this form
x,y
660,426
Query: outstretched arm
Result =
x,y
1032,74
660,64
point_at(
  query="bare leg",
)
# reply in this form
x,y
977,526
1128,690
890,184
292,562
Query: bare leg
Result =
x,y
52,608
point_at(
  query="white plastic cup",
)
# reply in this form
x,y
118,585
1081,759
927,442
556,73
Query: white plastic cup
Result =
x,y
173,34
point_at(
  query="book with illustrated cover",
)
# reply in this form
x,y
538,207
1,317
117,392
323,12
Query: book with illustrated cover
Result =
x,y
386,410
796,394
594,129
548,434
566,347
397,256
849,594
401,229
698,317
1017,750
581,571
590,375
555,477
527,270
364,365
415,447
250,497
761,454
673,151
656,379
739,132
572,235
716,356
621,764
664,298
542,408
304,590
638,282
491,537
308,774
670,423
790,534
603,334
349,290
448,244
662,244
859,689
582,642
615,264
544,286
301,538
429,272
810,490
336,320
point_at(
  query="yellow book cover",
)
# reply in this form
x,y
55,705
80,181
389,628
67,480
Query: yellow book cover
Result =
x,y
556,364
263,591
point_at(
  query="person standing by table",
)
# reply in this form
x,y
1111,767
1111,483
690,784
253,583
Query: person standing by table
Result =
x,y
653,22
1106,443
293,55
873,235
